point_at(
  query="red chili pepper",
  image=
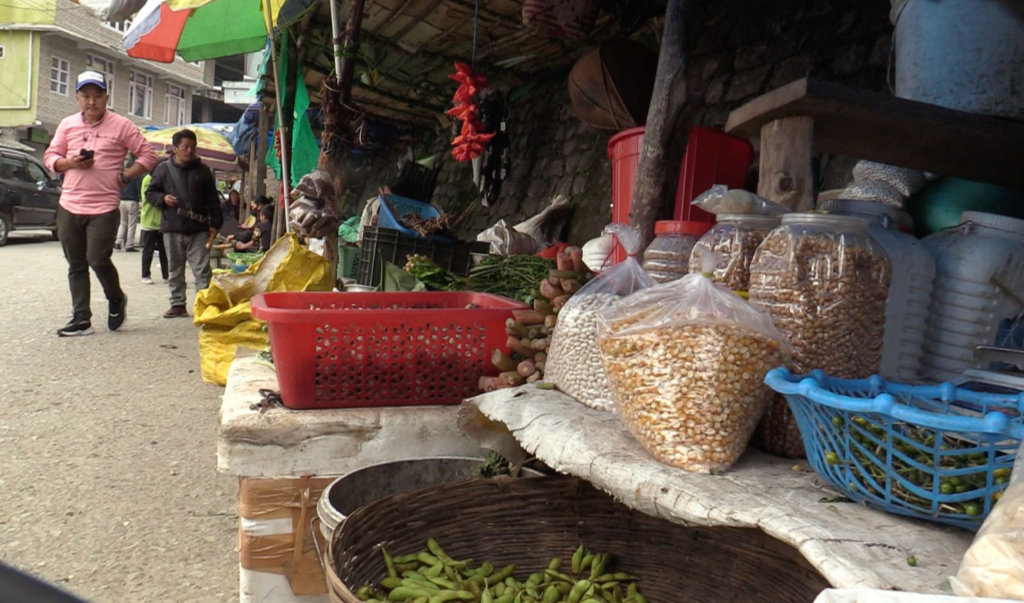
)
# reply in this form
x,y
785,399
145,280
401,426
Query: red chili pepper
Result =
x,y
470,141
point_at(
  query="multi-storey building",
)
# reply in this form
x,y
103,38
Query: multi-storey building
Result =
x,y
44,44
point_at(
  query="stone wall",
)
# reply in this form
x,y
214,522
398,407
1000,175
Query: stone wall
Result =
x,y
736,51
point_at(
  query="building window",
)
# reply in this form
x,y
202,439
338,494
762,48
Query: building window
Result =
x,y
106,67
140,95
175,113
59,70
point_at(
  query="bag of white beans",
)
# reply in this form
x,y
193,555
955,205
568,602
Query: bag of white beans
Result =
x,y
573,362
686,362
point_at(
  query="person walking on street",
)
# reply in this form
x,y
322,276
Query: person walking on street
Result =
x,y
186,193
129,216
89,148
151,239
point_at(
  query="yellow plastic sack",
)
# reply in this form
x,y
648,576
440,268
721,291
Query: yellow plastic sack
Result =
x,y
222,311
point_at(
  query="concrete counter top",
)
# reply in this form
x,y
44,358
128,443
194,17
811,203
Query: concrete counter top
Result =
x,y
850,544
281,442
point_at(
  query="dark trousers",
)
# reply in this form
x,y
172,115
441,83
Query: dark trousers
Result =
x,y
88,242
152,239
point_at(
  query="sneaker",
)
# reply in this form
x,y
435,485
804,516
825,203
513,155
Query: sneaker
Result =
x,y
117,246
176,312
118,312
147,281
75,328
132,249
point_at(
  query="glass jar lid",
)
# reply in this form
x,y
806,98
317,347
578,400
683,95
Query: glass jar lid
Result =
x,y
830,222
751,221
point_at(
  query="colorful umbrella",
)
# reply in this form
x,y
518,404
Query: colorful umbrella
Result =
x,y
212,147
200,29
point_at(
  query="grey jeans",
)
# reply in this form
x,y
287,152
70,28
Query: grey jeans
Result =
x,y
181,248
129,222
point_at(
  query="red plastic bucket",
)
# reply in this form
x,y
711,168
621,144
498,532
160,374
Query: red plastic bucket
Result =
x,y
624,151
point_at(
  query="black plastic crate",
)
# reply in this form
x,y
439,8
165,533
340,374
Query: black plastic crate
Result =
x,y
393,246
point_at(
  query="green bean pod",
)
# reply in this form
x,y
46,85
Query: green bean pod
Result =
x,y
446,596
503,573
578,590
577,558
391,582
551,594
552,573
444,583
403,592
389,564
485,569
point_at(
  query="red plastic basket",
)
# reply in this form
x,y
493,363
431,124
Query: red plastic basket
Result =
x,y
338,350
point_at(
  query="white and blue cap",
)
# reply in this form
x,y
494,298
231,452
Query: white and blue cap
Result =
x,y
91,77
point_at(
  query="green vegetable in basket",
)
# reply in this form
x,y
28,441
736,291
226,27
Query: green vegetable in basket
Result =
x,y
431,576
919,462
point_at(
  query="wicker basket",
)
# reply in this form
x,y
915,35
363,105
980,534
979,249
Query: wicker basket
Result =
x,y
529,521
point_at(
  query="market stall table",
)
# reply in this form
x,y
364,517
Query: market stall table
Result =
x,y
284,458
849,544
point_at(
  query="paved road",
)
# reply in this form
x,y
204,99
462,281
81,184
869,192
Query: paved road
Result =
x,y
109,487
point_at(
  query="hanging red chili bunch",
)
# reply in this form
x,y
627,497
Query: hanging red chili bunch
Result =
x,y
470,142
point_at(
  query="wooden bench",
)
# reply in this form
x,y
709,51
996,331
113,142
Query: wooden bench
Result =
x,y
813,115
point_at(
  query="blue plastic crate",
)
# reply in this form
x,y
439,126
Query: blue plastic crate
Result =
x,y
394,208
936,452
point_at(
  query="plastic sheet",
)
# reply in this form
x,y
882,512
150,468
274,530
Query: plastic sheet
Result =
x,y
573,361
994,564
223,313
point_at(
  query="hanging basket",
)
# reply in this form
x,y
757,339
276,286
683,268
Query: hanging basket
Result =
x,y
610,86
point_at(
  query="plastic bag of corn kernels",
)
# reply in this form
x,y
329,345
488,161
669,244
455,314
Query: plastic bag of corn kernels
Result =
x,y
686,362
573,362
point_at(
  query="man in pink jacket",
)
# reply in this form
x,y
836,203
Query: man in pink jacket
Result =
x,y
89,148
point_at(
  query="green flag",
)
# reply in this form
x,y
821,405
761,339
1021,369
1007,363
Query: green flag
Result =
x,y
304,152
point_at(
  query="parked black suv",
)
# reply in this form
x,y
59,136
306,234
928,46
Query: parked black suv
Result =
x,y
28,195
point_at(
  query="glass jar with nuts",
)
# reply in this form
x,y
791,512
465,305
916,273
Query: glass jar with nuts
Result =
x,y
735,237
668,255
824,281
686,362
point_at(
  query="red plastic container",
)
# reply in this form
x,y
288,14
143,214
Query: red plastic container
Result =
x,y
711,157
624,151
339,350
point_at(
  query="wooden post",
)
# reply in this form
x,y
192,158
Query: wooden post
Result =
x,y
785,169
261,152
653,183
353,28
